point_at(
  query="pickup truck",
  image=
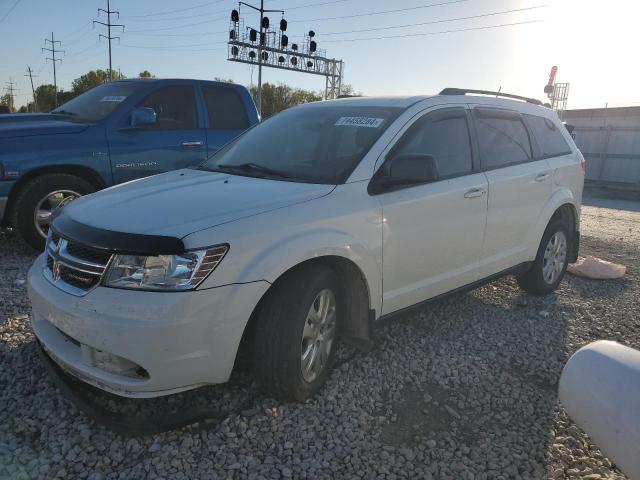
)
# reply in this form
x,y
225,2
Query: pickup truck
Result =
x,y
114,133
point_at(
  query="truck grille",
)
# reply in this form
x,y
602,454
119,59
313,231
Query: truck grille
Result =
x,y
73,267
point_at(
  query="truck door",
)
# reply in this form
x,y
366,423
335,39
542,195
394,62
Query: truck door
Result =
x,y
175,141
226,115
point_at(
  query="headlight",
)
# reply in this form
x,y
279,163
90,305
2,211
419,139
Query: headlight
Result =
x,y
164,272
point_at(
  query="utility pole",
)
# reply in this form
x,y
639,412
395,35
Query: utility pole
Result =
x,y
53,59
108,36
10,89
262,40
33,90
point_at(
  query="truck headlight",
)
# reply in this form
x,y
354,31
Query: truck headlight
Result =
x,y
164,272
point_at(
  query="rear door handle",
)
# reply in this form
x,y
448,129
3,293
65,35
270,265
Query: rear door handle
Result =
x,y
192,144
474,193
541,177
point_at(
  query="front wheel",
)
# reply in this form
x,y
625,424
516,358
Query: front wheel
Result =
x,y
550,265
295,338
38,200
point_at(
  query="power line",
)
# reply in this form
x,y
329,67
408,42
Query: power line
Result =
x,y
309,5
482,15
172,46
382,12
176,11
176,26
487,27
193,34
108,36
9,11
169,19
53,59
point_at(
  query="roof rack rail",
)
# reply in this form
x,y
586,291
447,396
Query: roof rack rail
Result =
x,y
464,91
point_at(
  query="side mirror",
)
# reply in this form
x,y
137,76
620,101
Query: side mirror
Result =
x,y
143,116
405,169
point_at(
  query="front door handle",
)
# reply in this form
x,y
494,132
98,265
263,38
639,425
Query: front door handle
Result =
x,y
541,177
474,193
193,144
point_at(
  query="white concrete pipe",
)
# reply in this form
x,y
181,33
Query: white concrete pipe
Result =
x,y
600,390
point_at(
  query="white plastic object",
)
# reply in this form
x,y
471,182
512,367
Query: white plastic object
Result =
x,y
600,390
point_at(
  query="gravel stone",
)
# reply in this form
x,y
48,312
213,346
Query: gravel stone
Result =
x,y
465,388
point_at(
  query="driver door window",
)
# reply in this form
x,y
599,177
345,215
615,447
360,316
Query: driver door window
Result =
x,y
444,135
175,108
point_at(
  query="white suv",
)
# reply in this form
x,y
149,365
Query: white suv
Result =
x,y
313,225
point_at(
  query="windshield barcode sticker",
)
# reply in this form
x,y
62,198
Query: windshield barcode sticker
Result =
x,y
113,98
370,122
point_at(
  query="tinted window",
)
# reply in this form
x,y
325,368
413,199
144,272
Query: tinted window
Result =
x,y
549,138
98,102
175,108
226,109
445,136
314,143
502,138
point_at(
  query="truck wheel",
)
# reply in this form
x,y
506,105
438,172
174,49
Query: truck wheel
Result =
x,y
550,265
294,345
39,198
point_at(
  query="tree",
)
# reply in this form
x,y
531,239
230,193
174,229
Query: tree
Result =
x,y
347,89
6,100
146,74
93,79
225,80
276,98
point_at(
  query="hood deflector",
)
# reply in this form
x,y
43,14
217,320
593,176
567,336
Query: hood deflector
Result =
x,y
116,242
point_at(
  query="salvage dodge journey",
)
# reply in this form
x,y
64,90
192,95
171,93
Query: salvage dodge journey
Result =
x,y
308,228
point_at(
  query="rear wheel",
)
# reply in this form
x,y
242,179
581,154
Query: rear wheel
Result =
x,y
296,334
551,261
38,200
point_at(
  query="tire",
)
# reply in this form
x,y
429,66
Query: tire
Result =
x,y
280,341
536,279
34,192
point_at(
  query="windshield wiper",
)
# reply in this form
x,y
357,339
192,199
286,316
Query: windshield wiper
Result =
x,y
253,167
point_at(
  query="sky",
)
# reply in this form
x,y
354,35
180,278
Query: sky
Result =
x,y
592,42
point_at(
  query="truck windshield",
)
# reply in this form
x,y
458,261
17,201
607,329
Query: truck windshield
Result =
x,y
311,144
97,103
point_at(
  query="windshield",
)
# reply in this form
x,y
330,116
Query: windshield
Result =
x,y
97,103
312,144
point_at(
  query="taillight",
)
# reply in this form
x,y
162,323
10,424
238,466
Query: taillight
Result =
x,y
583,164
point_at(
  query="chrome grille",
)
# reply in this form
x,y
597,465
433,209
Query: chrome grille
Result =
x,y
73,267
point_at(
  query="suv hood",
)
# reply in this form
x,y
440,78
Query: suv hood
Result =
x,y
181,202
29,124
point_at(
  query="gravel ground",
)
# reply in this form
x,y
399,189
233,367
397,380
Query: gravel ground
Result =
x,y
464,389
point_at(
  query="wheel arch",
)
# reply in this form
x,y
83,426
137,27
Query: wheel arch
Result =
x,y
357,297
86,173
561,206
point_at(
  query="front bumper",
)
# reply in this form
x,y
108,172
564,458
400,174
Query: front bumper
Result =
x,y
142,344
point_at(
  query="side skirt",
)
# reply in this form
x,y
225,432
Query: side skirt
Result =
x,y
522,267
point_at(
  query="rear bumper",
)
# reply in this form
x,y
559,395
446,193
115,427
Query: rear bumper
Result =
x,y
142,344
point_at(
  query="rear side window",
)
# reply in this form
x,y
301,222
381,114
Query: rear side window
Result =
x,y
502,138
175,108
444,135
549,138
226,109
